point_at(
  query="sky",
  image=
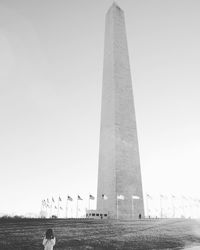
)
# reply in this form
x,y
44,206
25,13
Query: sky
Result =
x,y
51,68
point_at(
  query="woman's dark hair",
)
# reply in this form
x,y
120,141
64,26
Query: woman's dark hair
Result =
x,y
49,234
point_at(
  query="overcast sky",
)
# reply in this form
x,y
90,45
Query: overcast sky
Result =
x,y
51,63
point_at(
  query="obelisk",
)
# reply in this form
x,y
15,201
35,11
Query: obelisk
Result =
x,y
119,173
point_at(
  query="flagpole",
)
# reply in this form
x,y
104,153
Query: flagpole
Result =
x,y
102,202
50,210
161,212
41,208
132,207
172,201
117,207
173,206
77,209
46,208
89,203
52,206
58,208
67,208
183,205
147,202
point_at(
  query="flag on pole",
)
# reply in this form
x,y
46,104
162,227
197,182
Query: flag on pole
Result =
x,y
104,197
149,196
135,197
91,197
120,197
69,198
53,199
79,198
59,199
44,203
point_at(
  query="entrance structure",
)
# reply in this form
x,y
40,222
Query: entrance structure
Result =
x,y
119,176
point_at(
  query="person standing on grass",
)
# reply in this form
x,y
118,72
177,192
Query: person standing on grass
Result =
x,y
49,240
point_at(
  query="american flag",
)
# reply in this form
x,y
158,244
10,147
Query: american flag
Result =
x,y
79,198
43,203
104,197
149,196
120,197
91,197
69,198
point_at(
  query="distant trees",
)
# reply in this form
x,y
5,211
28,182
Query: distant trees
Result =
x,y
9,217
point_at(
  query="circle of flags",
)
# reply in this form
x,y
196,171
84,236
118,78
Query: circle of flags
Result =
x,y
160,206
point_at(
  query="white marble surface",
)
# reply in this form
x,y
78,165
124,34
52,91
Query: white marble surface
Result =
x,y
119,163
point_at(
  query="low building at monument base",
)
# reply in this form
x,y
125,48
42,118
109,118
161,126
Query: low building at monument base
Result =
x,y
97,214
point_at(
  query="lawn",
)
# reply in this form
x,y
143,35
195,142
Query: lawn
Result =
x,y
27,234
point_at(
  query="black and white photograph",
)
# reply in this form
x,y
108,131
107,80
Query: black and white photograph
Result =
x,y
100,124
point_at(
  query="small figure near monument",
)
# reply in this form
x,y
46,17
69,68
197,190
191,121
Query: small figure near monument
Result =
x,y
49,240
140,216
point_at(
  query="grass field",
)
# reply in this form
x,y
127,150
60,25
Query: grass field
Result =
x,y
27,234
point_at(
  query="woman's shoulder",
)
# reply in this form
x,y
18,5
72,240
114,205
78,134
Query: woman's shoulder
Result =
x,y
45,240
53,241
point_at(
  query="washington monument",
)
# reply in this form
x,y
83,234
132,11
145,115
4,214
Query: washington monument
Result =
x,y
119,175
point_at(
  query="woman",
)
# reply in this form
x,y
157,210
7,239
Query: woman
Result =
x,y
49,240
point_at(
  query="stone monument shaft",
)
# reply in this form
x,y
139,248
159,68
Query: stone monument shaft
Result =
x,y
119,164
